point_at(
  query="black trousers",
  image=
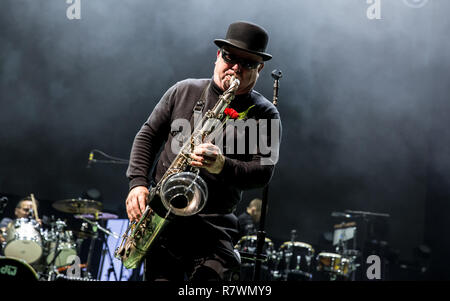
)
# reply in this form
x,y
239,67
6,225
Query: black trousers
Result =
x,y
194,249
161,265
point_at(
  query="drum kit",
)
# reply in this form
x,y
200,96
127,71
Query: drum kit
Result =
x,y
297,261
37,252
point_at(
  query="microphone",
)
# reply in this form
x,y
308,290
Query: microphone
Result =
x,y
341,214
90,160
277,74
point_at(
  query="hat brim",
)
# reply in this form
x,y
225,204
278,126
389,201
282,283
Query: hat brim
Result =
x,y
220,43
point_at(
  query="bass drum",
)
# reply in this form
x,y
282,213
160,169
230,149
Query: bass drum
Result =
x,y
16,269
24,240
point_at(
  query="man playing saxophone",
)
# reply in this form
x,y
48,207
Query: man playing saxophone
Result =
x,y
201,246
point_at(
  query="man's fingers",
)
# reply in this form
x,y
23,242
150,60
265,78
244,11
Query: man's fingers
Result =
x,y
136,202
205,153
203,158
197,158
207,149
133,209
142,202
129,215
129,209
131,206
136,210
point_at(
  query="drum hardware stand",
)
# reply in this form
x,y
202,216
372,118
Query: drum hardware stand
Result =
x,y
288,254
261,234
276,273
342,249
106,250
91,249
96,226
79,241
51,265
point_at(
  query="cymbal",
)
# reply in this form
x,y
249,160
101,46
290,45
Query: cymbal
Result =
x,y
78,206
98,215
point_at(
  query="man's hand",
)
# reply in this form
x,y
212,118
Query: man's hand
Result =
x,y
209,157
136,202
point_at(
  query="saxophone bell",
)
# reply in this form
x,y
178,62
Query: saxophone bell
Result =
x,y
184,193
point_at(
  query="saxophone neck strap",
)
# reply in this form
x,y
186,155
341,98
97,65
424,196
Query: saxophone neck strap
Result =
x,y
202,100
198,107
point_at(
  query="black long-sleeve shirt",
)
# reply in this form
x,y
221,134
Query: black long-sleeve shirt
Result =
x,y
215,228
240,171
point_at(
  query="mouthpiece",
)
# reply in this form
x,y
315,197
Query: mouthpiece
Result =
x,y
234,83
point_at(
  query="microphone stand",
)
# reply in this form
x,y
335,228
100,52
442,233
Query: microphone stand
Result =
x,y
96,226
106,251
261,234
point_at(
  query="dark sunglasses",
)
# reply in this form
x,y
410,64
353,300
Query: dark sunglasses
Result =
x,y
231,59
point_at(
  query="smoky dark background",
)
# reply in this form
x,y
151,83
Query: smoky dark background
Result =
x,y
364,104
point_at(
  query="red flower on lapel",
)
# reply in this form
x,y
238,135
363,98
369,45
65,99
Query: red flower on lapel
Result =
x,y
231,112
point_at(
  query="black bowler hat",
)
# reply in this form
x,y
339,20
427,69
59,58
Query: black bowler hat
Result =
x,y
248,37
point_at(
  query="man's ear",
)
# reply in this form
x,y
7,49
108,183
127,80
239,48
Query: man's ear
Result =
x,y
261,66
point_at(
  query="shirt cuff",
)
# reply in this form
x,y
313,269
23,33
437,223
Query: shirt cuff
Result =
x,y
138,181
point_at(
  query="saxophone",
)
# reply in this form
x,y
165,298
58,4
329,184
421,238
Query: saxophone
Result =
x,y
181,191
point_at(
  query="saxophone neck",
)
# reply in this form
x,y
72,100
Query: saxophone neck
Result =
x,y
229,94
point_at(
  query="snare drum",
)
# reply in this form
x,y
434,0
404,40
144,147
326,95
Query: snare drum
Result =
x,y
295,260
16,269
333,263
24,240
